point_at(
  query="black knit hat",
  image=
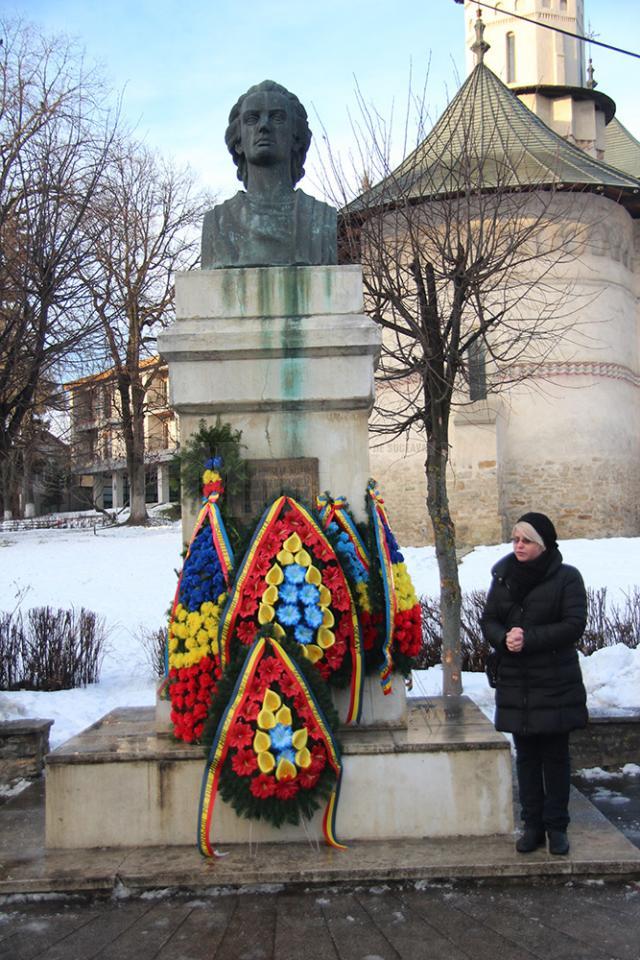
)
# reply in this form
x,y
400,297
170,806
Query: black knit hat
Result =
x,y
542,525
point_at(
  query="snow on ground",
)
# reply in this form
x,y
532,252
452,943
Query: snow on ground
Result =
x,y
128,576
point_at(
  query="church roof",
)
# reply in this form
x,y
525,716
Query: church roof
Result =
x,y
488,135
622,150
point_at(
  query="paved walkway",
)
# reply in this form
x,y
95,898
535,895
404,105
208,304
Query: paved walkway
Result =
x,y
598,851
573,921
416,900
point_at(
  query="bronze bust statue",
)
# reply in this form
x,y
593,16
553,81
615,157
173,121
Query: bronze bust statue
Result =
x,y
270,223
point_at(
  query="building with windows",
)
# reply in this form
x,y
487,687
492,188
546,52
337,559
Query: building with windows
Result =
x,y
567,439
97,443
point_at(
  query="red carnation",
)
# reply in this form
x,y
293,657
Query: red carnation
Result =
x,y
286,789
251,709
270,669
288,685
248,605
332,577
244,763
240,734
307,779
263,786
245,632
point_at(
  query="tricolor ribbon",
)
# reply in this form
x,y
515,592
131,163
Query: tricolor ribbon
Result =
x,y
335,510
220,746
379,521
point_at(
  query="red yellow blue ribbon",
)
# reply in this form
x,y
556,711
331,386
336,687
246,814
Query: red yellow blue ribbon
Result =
x,y
220,746
379,519
331,510
230,612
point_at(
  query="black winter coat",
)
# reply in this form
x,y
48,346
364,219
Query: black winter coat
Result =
x,y
540,689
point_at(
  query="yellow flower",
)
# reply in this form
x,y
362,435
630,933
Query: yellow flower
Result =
x,y
312,652
285,770
325,638
261,741
271,700
194,622
363,596
266,720
284,717
303,758
173,644
275,575
299,738
293,543
266,613
266,761
270,595
314,576
325,593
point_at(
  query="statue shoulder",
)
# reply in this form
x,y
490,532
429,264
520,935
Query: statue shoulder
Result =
x,y
316,208
220,226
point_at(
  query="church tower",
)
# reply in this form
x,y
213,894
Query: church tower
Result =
x,y
545,68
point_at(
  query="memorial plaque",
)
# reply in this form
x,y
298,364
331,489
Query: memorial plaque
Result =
x,y
268,479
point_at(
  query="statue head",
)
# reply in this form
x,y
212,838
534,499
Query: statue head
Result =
x,y
295,129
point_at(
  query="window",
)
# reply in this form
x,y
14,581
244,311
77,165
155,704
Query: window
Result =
x,y
477,372
511,57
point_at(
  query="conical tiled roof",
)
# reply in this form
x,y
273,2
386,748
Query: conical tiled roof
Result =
x,y
622,150
487,137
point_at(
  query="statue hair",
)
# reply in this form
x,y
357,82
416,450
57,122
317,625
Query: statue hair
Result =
x,y
301,131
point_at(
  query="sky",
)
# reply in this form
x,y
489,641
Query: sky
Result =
x,y
182,65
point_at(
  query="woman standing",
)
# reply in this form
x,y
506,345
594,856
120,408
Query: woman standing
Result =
x,y
536,612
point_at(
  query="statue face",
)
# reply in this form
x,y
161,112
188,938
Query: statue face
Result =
x,y
266,130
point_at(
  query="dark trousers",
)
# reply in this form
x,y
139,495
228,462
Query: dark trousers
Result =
x,y
544,779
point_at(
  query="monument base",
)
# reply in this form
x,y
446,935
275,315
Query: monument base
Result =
x,y
119,784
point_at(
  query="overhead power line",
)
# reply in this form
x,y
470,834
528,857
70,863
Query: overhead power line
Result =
x,y
548,26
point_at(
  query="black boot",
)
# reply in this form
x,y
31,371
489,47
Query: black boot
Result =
x,y
531,839
558,842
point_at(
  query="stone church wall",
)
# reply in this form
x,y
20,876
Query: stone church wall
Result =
x,y
567,441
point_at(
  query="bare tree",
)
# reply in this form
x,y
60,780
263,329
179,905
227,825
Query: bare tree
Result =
x,y
142,230
462,246
55,135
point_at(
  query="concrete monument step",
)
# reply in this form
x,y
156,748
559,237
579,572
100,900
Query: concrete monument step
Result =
x,y
120,784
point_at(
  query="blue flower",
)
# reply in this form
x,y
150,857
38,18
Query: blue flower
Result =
x,y
309,594
281,737
294,573
288,593
287,754
313,616
303,634
288,615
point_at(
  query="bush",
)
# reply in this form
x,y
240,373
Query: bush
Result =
x,y
474,646
607,624
50,649
154,644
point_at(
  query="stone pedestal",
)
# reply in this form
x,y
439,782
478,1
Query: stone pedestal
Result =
x,y
284,354
446,773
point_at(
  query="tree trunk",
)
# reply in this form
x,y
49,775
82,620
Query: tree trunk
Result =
x,y
450,598
135,456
